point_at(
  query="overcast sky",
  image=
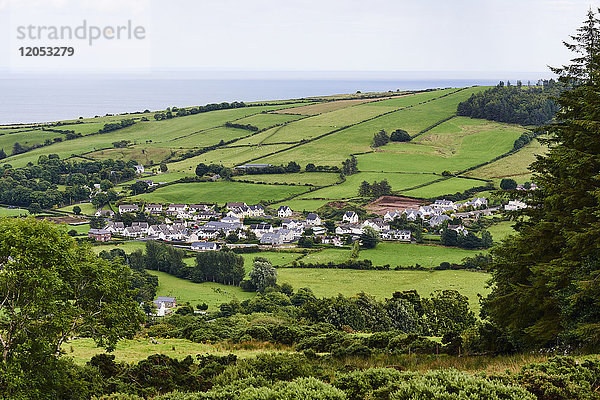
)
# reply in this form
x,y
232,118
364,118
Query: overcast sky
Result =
x,y
420,38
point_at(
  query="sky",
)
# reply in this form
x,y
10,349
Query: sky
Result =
x,y
310,38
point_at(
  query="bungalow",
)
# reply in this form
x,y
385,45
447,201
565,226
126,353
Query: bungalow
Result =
x,y
350,217
200,207
313,219
284,212
205,246
206,215
230,220
444,204
403,235
104,213
153,208
101,235
319,230
126,208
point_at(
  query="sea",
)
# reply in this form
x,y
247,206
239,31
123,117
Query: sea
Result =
x,y
46,99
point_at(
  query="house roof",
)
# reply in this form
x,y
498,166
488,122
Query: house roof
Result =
x,y
312,216
165,299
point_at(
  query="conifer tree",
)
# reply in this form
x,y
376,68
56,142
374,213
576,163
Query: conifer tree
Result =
x,y
547,277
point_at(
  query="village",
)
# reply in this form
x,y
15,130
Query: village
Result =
x,y
200,227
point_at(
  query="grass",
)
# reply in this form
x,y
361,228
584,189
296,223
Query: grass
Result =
x,y
84,129
406,254
501,230
127,247
328,255
349,188
276,258
28,138
5,212
448,186
220,192
382,284
86,208
304,178
134,350
514,166
213,294
263,121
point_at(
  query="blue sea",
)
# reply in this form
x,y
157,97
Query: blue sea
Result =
x,y
47,98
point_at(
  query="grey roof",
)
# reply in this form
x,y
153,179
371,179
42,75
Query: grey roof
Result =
x,y
312,216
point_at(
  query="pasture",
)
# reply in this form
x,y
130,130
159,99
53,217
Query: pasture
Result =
x,y
213,294
219,192
447,186
17,212
406,254
303,178
382,284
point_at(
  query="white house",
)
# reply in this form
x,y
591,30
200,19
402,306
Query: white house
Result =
x,y
350,217
104,213
391,215
313,219
256,211
514,205
204,246
284,212
403,235
260,229
133,232
153,208
115,227
139,169
123,208
343,229
378,224
177,207
412,214
273,238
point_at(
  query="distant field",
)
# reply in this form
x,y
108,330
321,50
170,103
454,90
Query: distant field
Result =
x,y
5,212
448,186
514,166
270,119
501,230
213,294
86,208
84,129
276,258
382,284
324,107
327,255
349,189
220,192
304,178
127,247
144,156
28,138
406,254
225,156
134,350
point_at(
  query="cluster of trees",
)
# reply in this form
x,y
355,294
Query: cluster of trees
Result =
x,y
113,126
381,138
181,112
514,104
350,166
38,183
218,266
450,237
375,189
400,135
248,127
203,169
289,168
524,139
310,167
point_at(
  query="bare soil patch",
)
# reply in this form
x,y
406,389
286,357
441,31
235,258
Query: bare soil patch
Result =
x,y
392,203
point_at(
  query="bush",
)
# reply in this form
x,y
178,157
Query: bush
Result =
x,y
400,135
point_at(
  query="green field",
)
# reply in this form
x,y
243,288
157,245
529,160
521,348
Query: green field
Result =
x,y
382,284
86,208
28,138
448,186
349,189
210,293
219,192
127,247
5,212
406,254
262,121
133,350
304,178
276,258
501,230
327,255
297,204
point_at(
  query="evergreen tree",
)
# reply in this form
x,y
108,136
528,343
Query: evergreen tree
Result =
x,y
547,278
381,138
2,154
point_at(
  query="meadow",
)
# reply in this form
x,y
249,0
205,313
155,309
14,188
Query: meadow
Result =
x,y
213,294
303,178
382,284
219,192
447,186
406,254
5,212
